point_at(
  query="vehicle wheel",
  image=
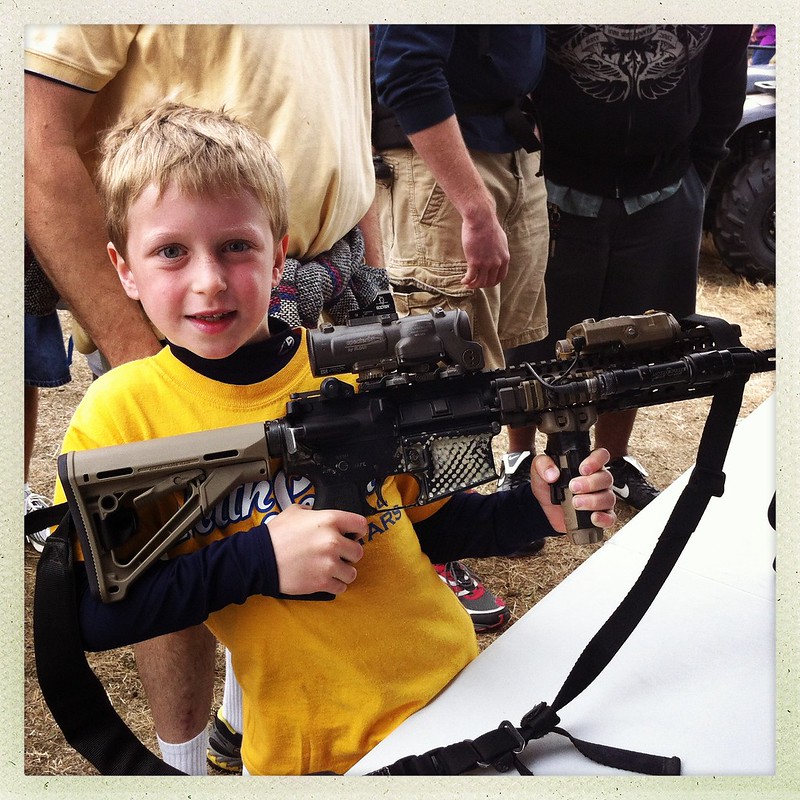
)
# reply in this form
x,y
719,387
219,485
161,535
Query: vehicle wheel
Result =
x,y
744,225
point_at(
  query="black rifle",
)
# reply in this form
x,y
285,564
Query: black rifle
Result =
x,y
421,406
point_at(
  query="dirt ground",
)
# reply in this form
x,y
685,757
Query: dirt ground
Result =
x,y
665,439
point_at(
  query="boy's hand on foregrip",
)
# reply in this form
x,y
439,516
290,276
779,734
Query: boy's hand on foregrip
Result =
x,y
315,550
591,489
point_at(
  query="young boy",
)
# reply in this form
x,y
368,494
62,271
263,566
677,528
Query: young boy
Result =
x,y
197,218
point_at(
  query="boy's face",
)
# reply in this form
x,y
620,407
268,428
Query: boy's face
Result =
x,y
202,266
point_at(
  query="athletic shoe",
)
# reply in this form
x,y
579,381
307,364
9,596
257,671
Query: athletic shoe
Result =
x,y
515,470
486,611
630,482
34,502
224,746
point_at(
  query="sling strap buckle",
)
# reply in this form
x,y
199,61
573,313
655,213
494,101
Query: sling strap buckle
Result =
x,y
539,721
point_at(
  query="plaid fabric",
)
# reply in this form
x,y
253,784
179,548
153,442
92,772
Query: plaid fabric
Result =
x,y
40,296
336,281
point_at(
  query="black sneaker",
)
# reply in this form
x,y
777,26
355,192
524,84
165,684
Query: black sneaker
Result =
x,y
630,482
515,469
224,746
486,611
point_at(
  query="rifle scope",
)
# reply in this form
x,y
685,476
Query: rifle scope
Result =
x,y
384,344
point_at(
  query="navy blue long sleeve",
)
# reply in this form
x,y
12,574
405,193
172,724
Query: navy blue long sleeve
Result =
x,y
183,591
474,525
426,73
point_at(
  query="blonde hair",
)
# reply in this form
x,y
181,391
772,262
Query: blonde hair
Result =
x,y
196,150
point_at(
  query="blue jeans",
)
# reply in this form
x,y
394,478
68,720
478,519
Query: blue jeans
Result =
x,y
762,56
47,361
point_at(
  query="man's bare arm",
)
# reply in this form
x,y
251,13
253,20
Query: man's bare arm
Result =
x,y
373,240
64,223
485,243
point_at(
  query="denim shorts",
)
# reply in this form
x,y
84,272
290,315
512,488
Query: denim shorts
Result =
x,y
47,360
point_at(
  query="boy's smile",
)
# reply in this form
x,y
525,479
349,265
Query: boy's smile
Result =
x,y
202,265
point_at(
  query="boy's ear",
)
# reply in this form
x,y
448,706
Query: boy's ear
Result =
x,y
280,260
123,271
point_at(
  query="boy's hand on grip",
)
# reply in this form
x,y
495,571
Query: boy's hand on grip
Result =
x,y
591,489
315,550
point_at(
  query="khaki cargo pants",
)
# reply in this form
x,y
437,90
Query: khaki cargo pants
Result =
x,y
422,245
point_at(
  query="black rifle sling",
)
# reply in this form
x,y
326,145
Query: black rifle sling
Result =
x,y
73,693
500,748
45,518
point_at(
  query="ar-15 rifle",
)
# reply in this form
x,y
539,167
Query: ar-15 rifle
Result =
x,y
423,407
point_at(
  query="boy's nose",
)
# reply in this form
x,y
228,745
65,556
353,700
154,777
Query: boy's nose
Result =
x,y
208,277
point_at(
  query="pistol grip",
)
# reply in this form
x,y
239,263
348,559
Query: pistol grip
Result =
x,y
568,449
344,501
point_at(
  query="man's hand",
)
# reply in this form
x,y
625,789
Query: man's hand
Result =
x,y
486,249
483,240
591,489
313,551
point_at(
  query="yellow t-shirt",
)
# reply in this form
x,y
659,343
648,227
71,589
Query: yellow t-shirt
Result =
x,y
305,88
322,682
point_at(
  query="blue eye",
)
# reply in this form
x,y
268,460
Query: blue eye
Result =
x,y
237,246
171,251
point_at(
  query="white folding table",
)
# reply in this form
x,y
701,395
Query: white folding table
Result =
x,y
696,679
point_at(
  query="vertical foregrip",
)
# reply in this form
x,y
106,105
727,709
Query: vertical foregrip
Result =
x,y
568,449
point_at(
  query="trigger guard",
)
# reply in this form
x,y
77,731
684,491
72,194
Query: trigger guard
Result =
x,y
379,492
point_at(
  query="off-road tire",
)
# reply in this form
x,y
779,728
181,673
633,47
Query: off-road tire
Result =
x,y
744,225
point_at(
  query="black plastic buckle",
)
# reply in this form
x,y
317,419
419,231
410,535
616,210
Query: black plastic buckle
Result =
x,y
708,480
539,721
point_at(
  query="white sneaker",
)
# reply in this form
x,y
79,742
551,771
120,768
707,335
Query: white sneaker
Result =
x,y
33,502
515,469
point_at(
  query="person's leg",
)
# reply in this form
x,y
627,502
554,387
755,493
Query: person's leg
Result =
x,y
576,257
177,673
423,252
522,311
653,267
762,56
31,418
225,737
46,365
613,431
577,267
